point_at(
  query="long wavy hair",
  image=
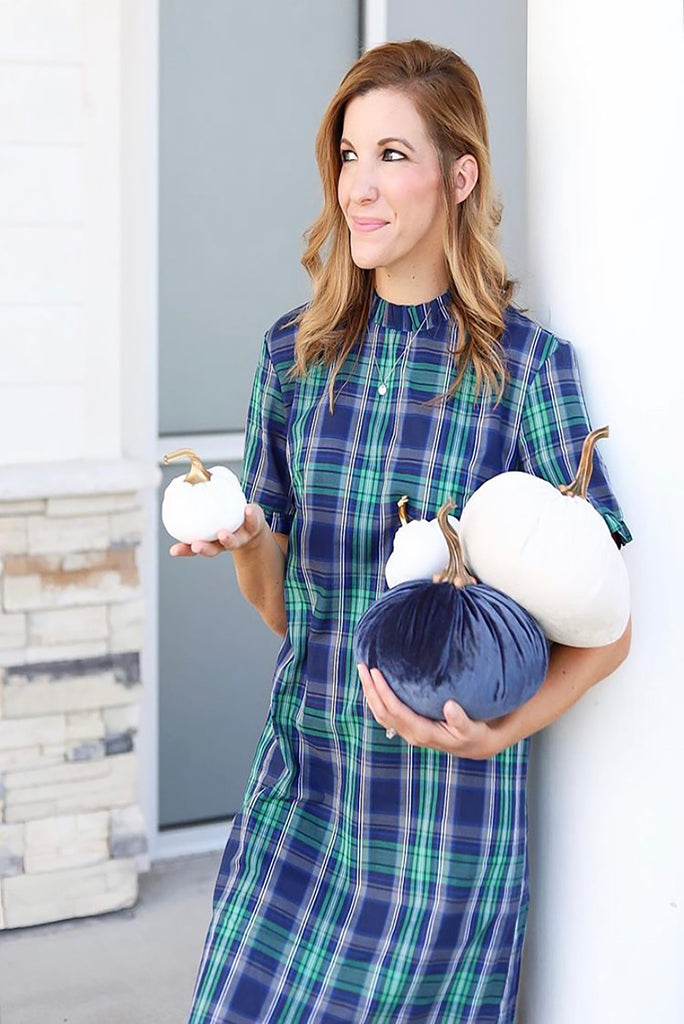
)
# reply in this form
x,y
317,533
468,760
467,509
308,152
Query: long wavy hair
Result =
x,y
448,97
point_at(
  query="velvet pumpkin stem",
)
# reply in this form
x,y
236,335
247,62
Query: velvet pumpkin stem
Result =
x,y
197,474
456,572
401,505
580,485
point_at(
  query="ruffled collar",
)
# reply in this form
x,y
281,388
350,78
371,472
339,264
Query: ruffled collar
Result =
x,y
410,318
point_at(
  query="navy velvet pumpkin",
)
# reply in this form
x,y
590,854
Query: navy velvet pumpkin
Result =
x,y
434,641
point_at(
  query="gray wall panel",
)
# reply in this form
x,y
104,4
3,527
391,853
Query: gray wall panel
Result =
x,y
492,36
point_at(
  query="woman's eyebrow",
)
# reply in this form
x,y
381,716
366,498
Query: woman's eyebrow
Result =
x,y
383,142
404,142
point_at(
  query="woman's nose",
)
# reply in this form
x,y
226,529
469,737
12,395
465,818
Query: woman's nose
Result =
x,y
364,187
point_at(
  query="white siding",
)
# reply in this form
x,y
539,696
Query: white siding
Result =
x,y
60,187
56,416
41,265
41,104
41,185
47,344
41,30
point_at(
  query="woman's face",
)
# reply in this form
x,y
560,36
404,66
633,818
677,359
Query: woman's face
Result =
x,y
390,190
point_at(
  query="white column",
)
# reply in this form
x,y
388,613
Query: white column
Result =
x,y
606,167
375,23
140,342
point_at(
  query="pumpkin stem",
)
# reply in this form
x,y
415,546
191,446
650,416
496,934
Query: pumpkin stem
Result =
x,y
579,486
401,505
197,474
456,571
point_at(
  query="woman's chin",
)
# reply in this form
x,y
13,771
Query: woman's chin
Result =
x,y
365,262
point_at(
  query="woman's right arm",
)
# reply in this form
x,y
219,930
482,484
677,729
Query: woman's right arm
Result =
x,y
259,556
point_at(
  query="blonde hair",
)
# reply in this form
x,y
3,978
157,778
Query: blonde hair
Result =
x,y
447,95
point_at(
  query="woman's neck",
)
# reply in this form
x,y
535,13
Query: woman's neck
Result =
x,y
410,288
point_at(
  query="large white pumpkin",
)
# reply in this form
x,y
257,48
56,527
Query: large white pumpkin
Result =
x,y
551,551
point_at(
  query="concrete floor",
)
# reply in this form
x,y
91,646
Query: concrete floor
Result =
x,y
135,966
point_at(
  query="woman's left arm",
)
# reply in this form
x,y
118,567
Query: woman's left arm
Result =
x,y
572,671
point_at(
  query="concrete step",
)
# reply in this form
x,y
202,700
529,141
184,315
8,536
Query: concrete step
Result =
x,y
135,966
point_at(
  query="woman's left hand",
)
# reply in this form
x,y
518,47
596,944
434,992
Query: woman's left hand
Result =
x,y
459,735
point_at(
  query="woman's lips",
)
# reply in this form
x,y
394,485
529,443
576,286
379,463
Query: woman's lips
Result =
x,y
367,224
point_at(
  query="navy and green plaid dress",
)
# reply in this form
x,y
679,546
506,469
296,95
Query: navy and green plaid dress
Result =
x,y
365,880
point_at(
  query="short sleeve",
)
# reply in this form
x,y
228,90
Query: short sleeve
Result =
x,y
554,425
265,473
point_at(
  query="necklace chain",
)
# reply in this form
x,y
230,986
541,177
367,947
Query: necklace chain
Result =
x,y
382,386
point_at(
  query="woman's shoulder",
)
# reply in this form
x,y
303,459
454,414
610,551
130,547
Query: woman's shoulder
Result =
x,y
284,329
280,337
526,344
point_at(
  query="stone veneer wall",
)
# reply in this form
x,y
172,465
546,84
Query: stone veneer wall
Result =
x,y
71,613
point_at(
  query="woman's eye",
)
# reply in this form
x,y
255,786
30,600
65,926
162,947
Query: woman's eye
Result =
x,y
388,155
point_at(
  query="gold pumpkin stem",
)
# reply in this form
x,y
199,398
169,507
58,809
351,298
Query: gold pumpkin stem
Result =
x,y
456,571
197,474
579,486
401,505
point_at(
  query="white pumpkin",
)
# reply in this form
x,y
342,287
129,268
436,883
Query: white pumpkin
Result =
x,y
551,551
198,505
419,549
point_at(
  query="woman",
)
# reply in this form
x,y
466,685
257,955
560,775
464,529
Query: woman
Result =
x,y
377,871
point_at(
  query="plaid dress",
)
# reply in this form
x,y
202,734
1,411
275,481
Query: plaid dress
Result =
x,y
365,880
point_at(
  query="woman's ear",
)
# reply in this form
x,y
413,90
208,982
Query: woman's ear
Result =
x,y
464,175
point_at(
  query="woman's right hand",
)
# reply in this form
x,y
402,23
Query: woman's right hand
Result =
x,y
249,531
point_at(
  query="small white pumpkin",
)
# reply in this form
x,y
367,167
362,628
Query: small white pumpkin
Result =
x,y
419,549
550,550
198,505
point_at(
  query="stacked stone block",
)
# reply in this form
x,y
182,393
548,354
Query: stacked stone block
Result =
x,y
71,612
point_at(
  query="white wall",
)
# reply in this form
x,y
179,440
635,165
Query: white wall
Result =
x,y
59,230
606,167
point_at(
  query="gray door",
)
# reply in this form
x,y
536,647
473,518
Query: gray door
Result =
x,y
242,90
